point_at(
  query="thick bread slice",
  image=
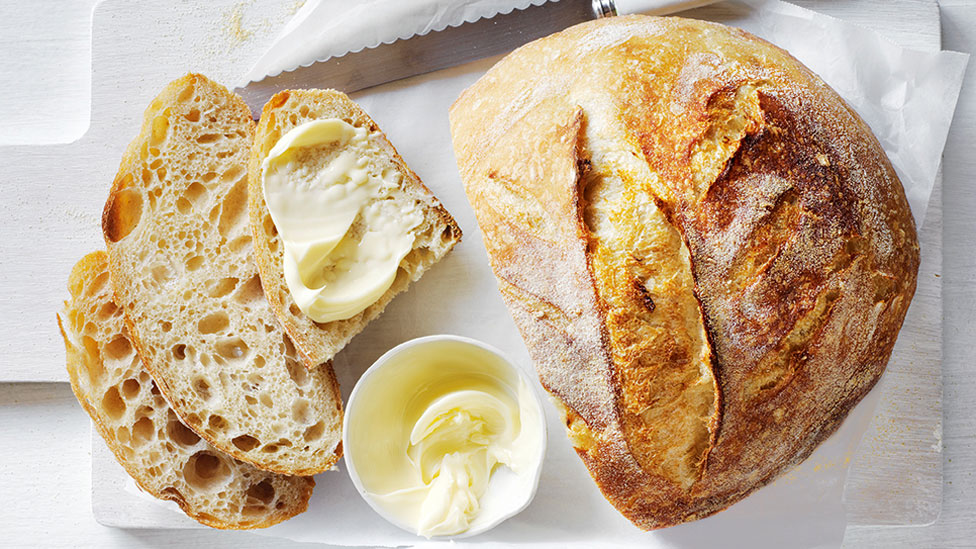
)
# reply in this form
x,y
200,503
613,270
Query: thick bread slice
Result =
x,y
727,254
180,256
319,342
165,458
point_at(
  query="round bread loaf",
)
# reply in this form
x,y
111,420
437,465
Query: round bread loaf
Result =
x,y
707,252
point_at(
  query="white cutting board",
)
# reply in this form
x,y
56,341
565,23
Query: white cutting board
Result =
x,y
51,212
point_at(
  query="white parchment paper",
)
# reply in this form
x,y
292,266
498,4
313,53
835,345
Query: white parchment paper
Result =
x,y
326,28
907,97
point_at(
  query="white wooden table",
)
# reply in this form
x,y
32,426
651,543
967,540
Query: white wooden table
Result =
x,y
44,436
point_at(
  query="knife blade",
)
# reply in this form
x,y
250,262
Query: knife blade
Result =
x,y
452,46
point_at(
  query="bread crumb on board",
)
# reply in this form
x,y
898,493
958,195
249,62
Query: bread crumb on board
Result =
x,y
235,26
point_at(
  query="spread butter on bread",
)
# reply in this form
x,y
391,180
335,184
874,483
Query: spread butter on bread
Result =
x,y
707,252
181,263
166,459
434,232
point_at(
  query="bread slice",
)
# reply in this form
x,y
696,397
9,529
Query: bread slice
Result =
x,y
179,251
165,458
438,233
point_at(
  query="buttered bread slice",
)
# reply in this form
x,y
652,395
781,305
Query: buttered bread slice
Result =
x,y
180,257
167,459
341,225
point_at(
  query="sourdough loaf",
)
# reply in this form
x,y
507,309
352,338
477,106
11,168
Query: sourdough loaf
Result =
x,y
707,252
162,455
437,234
180,257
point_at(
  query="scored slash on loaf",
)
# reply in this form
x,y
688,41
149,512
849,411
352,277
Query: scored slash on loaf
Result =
x,y
728,252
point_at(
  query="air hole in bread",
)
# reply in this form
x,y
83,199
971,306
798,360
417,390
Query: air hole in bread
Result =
x,y
303,110
258,361
294,309
262,491
213,323
214,214
161,174
208,138
193,115
130,388
314,432
166,326
234,174
270,448
288,348
296,371
97,285
239,243
195,193
194,263
266,400
160,129
217,422
119,348
180,433
269,227
222,287
250,291
234,208
202,388
254,510
106,311
122,435
251,401
179,351
232,348
245,443
301,412
112,403
204,470
186,94
123,214
142,431
156,164
161,274
183,206
93,363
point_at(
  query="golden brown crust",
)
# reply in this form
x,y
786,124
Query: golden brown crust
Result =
x,y
706,250
319,342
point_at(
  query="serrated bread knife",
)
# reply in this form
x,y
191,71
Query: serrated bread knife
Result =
x,y
452,46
